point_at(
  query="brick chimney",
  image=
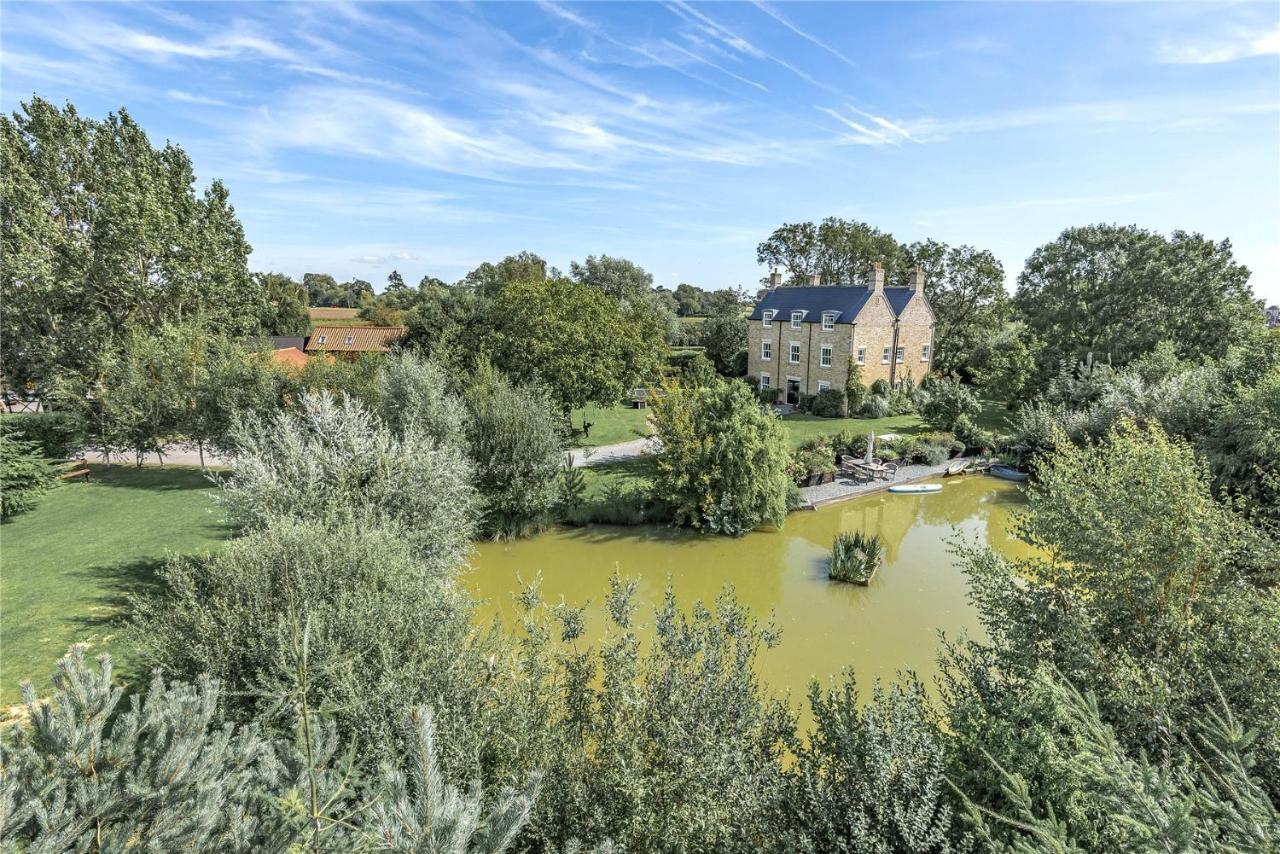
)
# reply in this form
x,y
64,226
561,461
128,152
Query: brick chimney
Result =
x,y
815,279
775,278
876,282
917,283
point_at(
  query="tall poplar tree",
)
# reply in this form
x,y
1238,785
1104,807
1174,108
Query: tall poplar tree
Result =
x,y
99,230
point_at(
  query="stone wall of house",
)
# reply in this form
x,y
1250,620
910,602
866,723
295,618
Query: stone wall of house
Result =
x,y
915,332
874,330
756,332
840,340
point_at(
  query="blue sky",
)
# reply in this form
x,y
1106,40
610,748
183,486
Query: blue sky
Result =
x,y
356,138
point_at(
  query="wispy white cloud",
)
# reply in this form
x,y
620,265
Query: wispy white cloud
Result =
x,y
380,260
364,123
739,43
642,50
1083,116
1243,44
703,60
192,98
864,135
882,122
237,42
778,16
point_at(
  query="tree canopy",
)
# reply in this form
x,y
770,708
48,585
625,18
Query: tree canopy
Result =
x,y
842,251
572,339
723,463
99,230
1117,291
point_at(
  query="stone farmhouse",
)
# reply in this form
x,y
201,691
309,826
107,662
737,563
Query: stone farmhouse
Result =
x,y
803,340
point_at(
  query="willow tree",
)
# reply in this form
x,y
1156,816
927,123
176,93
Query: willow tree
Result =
x,y
723,461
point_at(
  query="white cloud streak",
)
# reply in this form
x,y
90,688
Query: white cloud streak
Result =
x,y
1243,45
777,16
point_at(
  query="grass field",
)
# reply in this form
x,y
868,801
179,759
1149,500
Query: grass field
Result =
x,y
802,427
69,563
609,425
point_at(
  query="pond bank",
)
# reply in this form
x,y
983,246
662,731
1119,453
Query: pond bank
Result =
x,y
843,487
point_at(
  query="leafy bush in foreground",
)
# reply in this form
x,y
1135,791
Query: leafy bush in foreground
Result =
x,y
387,629
332,461
24,476
166,773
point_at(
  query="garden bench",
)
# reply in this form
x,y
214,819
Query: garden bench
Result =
x,y
77,473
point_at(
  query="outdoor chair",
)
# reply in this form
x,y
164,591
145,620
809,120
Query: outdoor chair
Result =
x,y
890,471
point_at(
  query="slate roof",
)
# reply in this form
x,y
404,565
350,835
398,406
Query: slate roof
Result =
x,y
280,342
363,339
847,300
898,299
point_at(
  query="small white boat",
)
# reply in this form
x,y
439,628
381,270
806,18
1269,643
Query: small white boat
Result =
x,y
916,487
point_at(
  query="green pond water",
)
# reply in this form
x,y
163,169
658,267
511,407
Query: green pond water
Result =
x,y
878,630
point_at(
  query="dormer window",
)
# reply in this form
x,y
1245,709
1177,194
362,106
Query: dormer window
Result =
x,y
349,340
320,339
828,321
766,320
796,317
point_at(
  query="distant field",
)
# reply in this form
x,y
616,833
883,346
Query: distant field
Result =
x,y
329,315
340,321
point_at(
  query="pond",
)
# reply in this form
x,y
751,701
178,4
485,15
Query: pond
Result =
x,y
878,630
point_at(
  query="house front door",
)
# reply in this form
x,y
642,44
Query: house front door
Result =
x,y
793,392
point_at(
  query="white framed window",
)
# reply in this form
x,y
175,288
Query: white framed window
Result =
x,y
349,340
825,357
766,351
924,353
884,358
828,322
766,320
765,382
795,319
795,353
902,354
320,339
823,385
862,355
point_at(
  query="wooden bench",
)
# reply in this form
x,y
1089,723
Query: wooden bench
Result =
x,y
77,473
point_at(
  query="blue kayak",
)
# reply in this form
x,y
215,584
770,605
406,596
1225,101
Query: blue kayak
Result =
x,y
1009,473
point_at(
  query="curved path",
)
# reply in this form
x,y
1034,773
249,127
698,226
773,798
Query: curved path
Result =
x,y
613,453
183,456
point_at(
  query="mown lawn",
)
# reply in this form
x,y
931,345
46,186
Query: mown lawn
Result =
x,y
69,564
609,425
802,426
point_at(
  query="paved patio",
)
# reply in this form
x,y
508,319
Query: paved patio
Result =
x,y
843,487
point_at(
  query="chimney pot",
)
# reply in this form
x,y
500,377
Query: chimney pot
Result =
x,y
775,278
815,279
